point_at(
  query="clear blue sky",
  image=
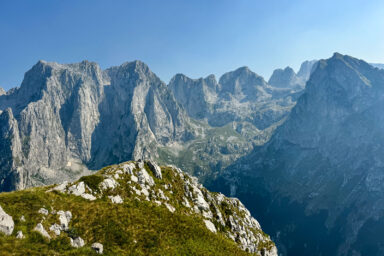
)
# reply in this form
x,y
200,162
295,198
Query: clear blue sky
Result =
x,y
194,37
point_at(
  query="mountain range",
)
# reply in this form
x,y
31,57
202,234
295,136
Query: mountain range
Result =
x,y
302,151
67,119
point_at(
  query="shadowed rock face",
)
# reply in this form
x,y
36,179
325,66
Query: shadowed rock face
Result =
x,y
65,119
324,164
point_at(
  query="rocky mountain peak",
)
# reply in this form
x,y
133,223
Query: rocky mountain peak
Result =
x,y
195,95
211,78
183,80
347,79
242,83
306,68
326,157
287,78
129,74
242,73
135,66
2,91
88,67
283,78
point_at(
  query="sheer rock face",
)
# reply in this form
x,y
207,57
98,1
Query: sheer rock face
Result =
x,y
2,91
10,152
197,96
76,116
326,160
138,111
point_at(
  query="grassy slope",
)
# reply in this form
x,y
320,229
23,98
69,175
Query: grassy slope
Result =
x,y
132,228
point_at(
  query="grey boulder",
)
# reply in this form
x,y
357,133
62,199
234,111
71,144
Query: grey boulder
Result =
x,y
6,222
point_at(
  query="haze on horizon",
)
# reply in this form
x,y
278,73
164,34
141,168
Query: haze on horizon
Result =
x,y
196,38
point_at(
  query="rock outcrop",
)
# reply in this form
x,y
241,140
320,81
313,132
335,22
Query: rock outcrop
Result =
x,y
98,248
19,234
6,222
77,242
40,229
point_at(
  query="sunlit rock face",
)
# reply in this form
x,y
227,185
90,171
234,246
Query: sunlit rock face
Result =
x,y
324,166
65,119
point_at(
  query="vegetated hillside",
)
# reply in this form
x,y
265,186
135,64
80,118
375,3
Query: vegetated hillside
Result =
x,y
134,208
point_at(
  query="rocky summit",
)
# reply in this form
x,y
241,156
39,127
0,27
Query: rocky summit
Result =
x,y
287,78
130,208
323,166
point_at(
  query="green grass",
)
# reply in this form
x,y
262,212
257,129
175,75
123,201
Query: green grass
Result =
x,y
93,181
132,228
